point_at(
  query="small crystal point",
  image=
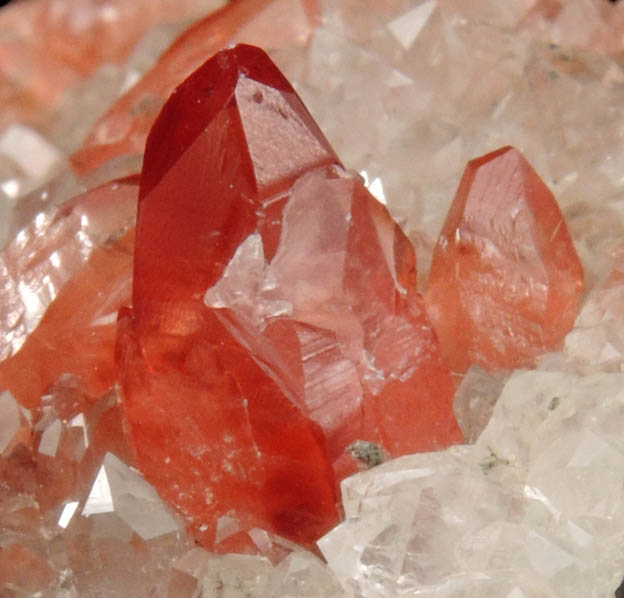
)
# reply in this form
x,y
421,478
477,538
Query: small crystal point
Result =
x,y
119,489
14,427
505,280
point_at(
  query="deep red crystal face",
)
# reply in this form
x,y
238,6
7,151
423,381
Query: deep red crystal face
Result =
x,y
276,331
506,280
231,136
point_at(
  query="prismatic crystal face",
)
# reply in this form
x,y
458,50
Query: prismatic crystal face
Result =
x,y
276,341
506,280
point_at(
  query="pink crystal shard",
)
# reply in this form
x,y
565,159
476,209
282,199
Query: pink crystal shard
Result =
x,y
65,277
505,280
276,332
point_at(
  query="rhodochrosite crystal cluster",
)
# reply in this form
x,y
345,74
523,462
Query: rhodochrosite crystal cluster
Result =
x,y
191,396
276,328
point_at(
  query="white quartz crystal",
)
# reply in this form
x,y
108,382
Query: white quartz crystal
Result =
x,y
300,574
120,489
50,439
539,89
13,424
35,156
475,398
533,508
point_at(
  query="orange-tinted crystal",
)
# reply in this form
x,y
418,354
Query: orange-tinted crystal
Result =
x,y
505,280
275,319
76,332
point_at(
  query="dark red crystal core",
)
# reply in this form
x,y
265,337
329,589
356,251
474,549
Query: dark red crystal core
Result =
x,y
275,323
245,137
505,281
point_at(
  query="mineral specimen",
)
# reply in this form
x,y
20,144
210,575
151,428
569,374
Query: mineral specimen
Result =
x,y
392,85
505,280
275,317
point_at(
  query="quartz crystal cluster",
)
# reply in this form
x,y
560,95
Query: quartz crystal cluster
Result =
x,y
528,510
214,373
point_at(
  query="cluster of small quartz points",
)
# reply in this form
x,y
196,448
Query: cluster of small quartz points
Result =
x,y
533,508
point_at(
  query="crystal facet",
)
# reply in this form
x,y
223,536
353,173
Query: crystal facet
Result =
x,y
270,23
64,277
532,509
505,280
275,317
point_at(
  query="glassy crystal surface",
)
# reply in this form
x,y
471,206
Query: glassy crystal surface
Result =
x,y
392,85
275,319
505,280
64,277
267,23
530,509
475,398
14,425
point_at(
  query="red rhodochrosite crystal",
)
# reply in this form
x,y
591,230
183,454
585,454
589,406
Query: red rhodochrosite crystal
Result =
x,y
276,334
505,280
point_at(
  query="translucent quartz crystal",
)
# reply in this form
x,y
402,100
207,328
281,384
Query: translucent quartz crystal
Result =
x,y
74,517
597,341
533,509
475,398
241,576
119,489
14,426
32,154
275,317
505,279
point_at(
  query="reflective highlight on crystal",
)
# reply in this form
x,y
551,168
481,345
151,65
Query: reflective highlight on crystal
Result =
x,y
543,510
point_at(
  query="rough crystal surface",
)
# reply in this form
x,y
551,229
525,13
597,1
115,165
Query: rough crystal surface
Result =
x,y
275,317
505,279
